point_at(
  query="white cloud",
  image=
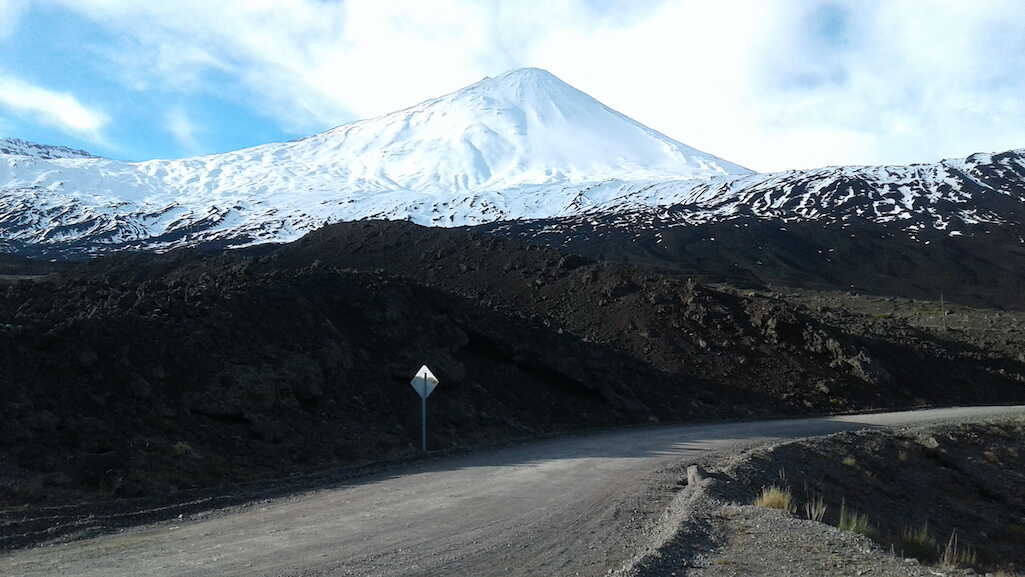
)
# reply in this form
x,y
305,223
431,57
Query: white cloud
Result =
x,y
768,83
58,109
779,84
181,127
308,63
10,13
311,63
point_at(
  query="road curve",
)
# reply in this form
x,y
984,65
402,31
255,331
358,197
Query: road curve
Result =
x,y
578,505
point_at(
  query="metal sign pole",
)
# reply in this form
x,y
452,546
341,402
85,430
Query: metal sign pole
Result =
x,y
423,421
423,383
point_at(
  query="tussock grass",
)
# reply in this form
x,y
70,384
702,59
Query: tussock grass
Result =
x,y
774,497
955,554
815,508
918,543
854,522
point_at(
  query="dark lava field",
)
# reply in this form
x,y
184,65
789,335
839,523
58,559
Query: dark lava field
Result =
x,y
139,374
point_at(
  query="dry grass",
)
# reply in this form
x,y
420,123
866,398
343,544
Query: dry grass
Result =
x,y
854,522
815,508
918,543
773,497
955,554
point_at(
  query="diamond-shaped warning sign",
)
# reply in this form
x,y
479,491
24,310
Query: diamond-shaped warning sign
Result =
x,y
424,382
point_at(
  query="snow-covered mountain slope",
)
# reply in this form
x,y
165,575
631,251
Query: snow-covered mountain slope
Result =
x,y
523,146
956,227
18,147
516,146
951,195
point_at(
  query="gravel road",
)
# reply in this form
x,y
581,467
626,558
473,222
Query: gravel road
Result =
x,y
578,505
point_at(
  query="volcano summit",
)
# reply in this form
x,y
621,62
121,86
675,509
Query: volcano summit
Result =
x,y
521,145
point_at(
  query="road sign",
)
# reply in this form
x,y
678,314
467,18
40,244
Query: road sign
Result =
x,y
424,383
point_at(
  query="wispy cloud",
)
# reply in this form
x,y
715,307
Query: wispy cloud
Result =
x,y
784,84
768,83
306,62
10,13
61,110
181,127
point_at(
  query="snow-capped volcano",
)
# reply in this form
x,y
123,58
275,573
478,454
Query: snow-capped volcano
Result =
x,y
523,127
521,146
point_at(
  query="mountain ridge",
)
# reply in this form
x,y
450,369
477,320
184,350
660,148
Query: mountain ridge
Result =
x,y
523,148
20,147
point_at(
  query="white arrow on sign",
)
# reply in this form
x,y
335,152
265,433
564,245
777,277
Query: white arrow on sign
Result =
x,y
424,382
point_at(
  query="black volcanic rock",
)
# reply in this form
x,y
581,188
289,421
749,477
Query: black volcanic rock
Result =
x,y
985,266
192,369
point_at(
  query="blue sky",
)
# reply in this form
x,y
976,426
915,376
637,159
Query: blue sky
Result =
x,y
63,51
770,84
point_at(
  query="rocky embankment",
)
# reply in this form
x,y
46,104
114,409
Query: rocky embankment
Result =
x,y
938,500
139,374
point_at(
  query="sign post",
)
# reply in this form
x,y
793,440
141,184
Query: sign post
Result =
x,y
423,383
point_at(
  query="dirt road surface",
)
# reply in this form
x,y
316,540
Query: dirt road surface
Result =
x,y
577,505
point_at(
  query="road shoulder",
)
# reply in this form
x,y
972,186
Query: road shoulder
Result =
x,y
956,469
